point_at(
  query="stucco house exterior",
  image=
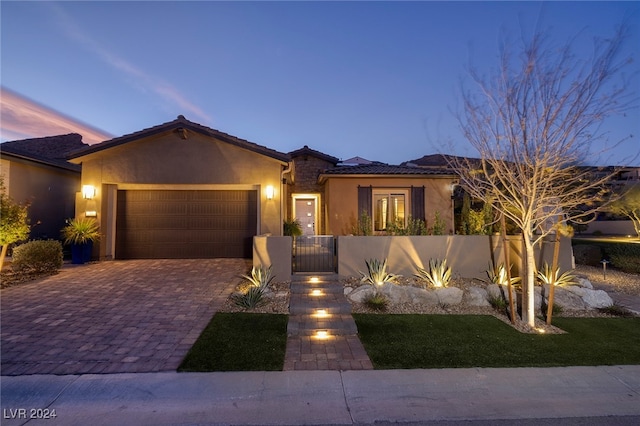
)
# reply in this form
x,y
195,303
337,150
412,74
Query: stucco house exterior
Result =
x,y
36,172
181,190
184,190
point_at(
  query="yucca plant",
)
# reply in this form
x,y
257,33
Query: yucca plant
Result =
x,y
438,275
260,277
252,298
551,277
498,275
377,273
81,231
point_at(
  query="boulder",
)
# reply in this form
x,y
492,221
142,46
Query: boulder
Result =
x,y
567,299
477,296
583,282
361,293
395,293
495,290
592,299
347,290
449,295
421,296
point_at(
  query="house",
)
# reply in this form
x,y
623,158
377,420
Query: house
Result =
x,y
181,190
184,190
36,172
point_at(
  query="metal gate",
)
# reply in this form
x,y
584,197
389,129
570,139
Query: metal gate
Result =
x,y
314,253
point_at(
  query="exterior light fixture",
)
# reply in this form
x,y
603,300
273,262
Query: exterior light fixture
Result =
x,y
316,293
269,192
322,334
321,313
88,192
314,279
90,209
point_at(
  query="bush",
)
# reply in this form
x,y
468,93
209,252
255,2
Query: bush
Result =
x,y
587,254
376,302
624,256
38,256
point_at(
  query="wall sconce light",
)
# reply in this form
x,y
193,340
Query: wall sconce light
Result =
x,y
269,191
90,209
88,192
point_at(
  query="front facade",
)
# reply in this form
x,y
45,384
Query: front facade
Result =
x,y
181,190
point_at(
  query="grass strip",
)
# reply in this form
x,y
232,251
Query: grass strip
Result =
x,y
447,341
239,342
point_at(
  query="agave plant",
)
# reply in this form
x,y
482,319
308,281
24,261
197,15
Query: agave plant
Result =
x,y
377,273
81,231
498,275
252,298
260,277
548,276
438,275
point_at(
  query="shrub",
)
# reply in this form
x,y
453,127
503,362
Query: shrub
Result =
x,y
81,231
377,273
253,298
376,302
292,228
38,256
438,225
551,277
624,256
497,302
498,275
587,254
617,310
260,277
438,275
363,226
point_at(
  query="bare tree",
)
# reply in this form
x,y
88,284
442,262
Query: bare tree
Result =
x,y
629,205
533,123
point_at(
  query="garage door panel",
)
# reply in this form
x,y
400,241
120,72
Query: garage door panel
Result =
x,y
185,224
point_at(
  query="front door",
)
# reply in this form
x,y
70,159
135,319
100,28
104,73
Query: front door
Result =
x,y
305,213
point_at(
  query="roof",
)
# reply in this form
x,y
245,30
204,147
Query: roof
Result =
x,y
354,161
305,150
181,124
376,169
437,160
51,150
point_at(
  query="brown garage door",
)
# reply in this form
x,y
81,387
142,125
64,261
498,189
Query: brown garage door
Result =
x,y
163,224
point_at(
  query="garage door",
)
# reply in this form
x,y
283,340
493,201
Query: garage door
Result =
x,y
163,224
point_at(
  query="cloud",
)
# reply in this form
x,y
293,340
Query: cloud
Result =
x,y
148,82
23,118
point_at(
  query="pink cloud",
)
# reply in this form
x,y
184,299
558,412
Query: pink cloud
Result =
x,y
23,118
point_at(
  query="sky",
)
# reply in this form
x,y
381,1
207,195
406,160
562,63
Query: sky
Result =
x,y
379,80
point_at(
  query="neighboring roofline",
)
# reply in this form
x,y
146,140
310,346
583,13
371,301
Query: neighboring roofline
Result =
x,y
181,123
59,164
393,172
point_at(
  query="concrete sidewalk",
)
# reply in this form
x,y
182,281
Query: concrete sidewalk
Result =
x,y
604,395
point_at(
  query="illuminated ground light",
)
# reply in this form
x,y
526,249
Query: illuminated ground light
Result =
x,y
316,293
314,280
321,313
541,330
322,334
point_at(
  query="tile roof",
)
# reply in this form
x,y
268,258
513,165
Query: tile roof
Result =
x,y
305,150
436,160
51,150
181,123
385,169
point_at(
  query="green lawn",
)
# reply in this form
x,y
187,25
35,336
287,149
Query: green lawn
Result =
x,y
239,342
441,341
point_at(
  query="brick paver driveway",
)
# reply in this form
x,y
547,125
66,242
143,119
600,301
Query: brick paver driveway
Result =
x,y
112,317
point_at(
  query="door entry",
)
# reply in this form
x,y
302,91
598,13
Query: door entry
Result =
x,y
306,212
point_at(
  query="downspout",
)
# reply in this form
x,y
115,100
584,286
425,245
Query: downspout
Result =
x,y
282,198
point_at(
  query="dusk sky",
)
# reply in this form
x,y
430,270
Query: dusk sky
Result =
x,y
379,80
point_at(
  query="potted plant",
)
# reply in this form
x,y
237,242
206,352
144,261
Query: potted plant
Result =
x,y
81,233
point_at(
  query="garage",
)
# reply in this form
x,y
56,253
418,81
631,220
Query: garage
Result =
x,y
185,224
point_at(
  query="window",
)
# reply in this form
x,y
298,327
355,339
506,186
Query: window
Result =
x,y
389,206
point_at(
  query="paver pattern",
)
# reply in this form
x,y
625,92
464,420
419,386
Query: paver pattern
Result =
x,y
129,316
341,349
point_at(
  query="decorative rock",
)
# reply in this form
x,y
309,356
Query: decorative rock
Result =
x,y
495,290
583,282
592,298
477,297
347,290
361,293
395,293
449,295
421,296
567,299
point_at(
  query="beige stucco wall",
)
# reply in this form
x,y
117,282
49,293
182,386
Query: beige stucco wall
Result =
x,y
274,252
468,256
342,199
49,191
166,161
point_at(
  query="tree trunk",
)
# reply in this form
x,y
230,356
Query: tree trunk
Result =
x,y
3,254
507,264
554,265
528,295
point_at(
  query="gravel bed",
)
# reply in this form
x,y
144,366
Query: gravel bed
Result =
x,y
617,281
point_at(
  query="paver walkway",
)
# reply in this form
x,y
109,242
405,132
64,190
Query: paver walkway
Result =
x,y
112,317
321,334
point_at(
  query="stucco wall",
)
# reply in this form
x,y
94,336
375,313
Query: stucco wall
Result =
x,y
166,161
50,191
467,255
342,199
611,227
274,252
